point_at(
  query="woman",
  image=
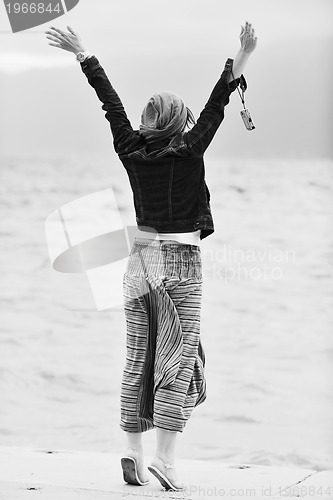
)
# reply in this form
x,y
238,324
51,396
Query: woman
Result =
x,y
163,379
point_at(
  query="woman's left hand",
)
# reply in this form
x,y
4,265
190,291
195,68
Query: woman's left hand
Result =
x,y
248,39
67,41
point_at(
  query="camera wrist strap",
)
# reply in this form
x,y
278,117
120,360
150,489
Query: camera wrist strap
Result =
x,y
245,114
243,87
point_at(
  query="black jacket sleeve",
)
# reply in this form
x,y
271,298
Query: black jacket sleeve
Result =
x,y
120,125
202,133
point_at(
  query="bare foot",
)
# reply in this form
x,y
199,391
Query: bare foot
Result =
x,y
137,454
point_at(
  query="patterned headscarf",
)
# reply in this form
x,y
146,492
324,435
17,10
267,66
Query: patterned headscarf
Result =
x,y
164,116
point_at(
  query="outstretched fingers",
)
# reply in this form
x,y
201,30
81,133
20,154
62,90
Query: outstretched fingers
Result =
x,y
248,38
58,30
52,37
71,30
69,41
58,36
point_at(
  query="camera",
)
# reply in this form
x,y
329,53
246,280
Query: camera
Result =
x,y
245,114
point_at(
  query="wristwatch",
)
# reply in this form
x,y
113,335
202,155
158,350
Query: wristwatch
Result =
x,y
81,56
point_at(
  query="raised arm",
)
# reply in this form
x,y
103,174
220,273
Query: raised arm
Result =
x,y
201,135
121,128
248,44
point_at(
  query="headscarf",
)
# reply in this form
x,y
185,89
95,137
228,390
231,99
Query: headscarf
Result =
x,y
164,116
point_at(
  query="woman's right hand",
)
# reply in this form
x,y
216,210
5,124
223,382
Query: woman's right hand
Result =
x,y
247,38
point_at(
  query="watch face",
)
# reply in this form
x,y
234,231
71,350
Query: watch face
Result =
x,y
81,57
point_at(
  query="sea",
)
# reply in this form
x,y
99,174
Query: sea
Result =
x,y
266,321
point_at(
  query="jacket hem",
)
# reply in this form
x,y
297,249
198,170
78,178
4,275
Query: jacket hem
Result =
x,y
183,226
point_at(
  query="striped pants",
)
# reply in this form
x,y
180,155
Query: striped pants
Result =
x,y
163,379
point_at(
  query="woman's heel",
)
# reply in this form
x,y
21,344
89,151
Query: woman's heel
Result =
x,y
161,472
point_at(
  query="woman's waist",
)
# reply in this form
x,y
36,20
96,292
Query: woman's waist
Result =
x,y
183,238
165,258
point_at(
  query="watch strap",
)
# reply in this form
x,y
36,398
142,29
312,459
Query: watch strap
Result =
x,y
81,56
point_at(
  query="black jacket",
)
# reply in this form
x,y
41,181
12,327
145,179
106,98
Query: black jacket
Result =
x,y
167,177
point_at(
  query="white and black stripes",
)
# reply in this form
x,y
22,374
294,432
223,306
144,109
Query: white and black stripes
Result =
x,y
163,379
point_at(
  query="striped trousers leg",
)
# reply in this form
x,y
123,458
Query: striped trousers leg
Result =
x,y
163,379
174,402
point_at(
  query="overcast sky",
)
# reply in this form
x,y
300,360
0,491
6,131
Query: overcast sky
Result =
x,y
178,45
